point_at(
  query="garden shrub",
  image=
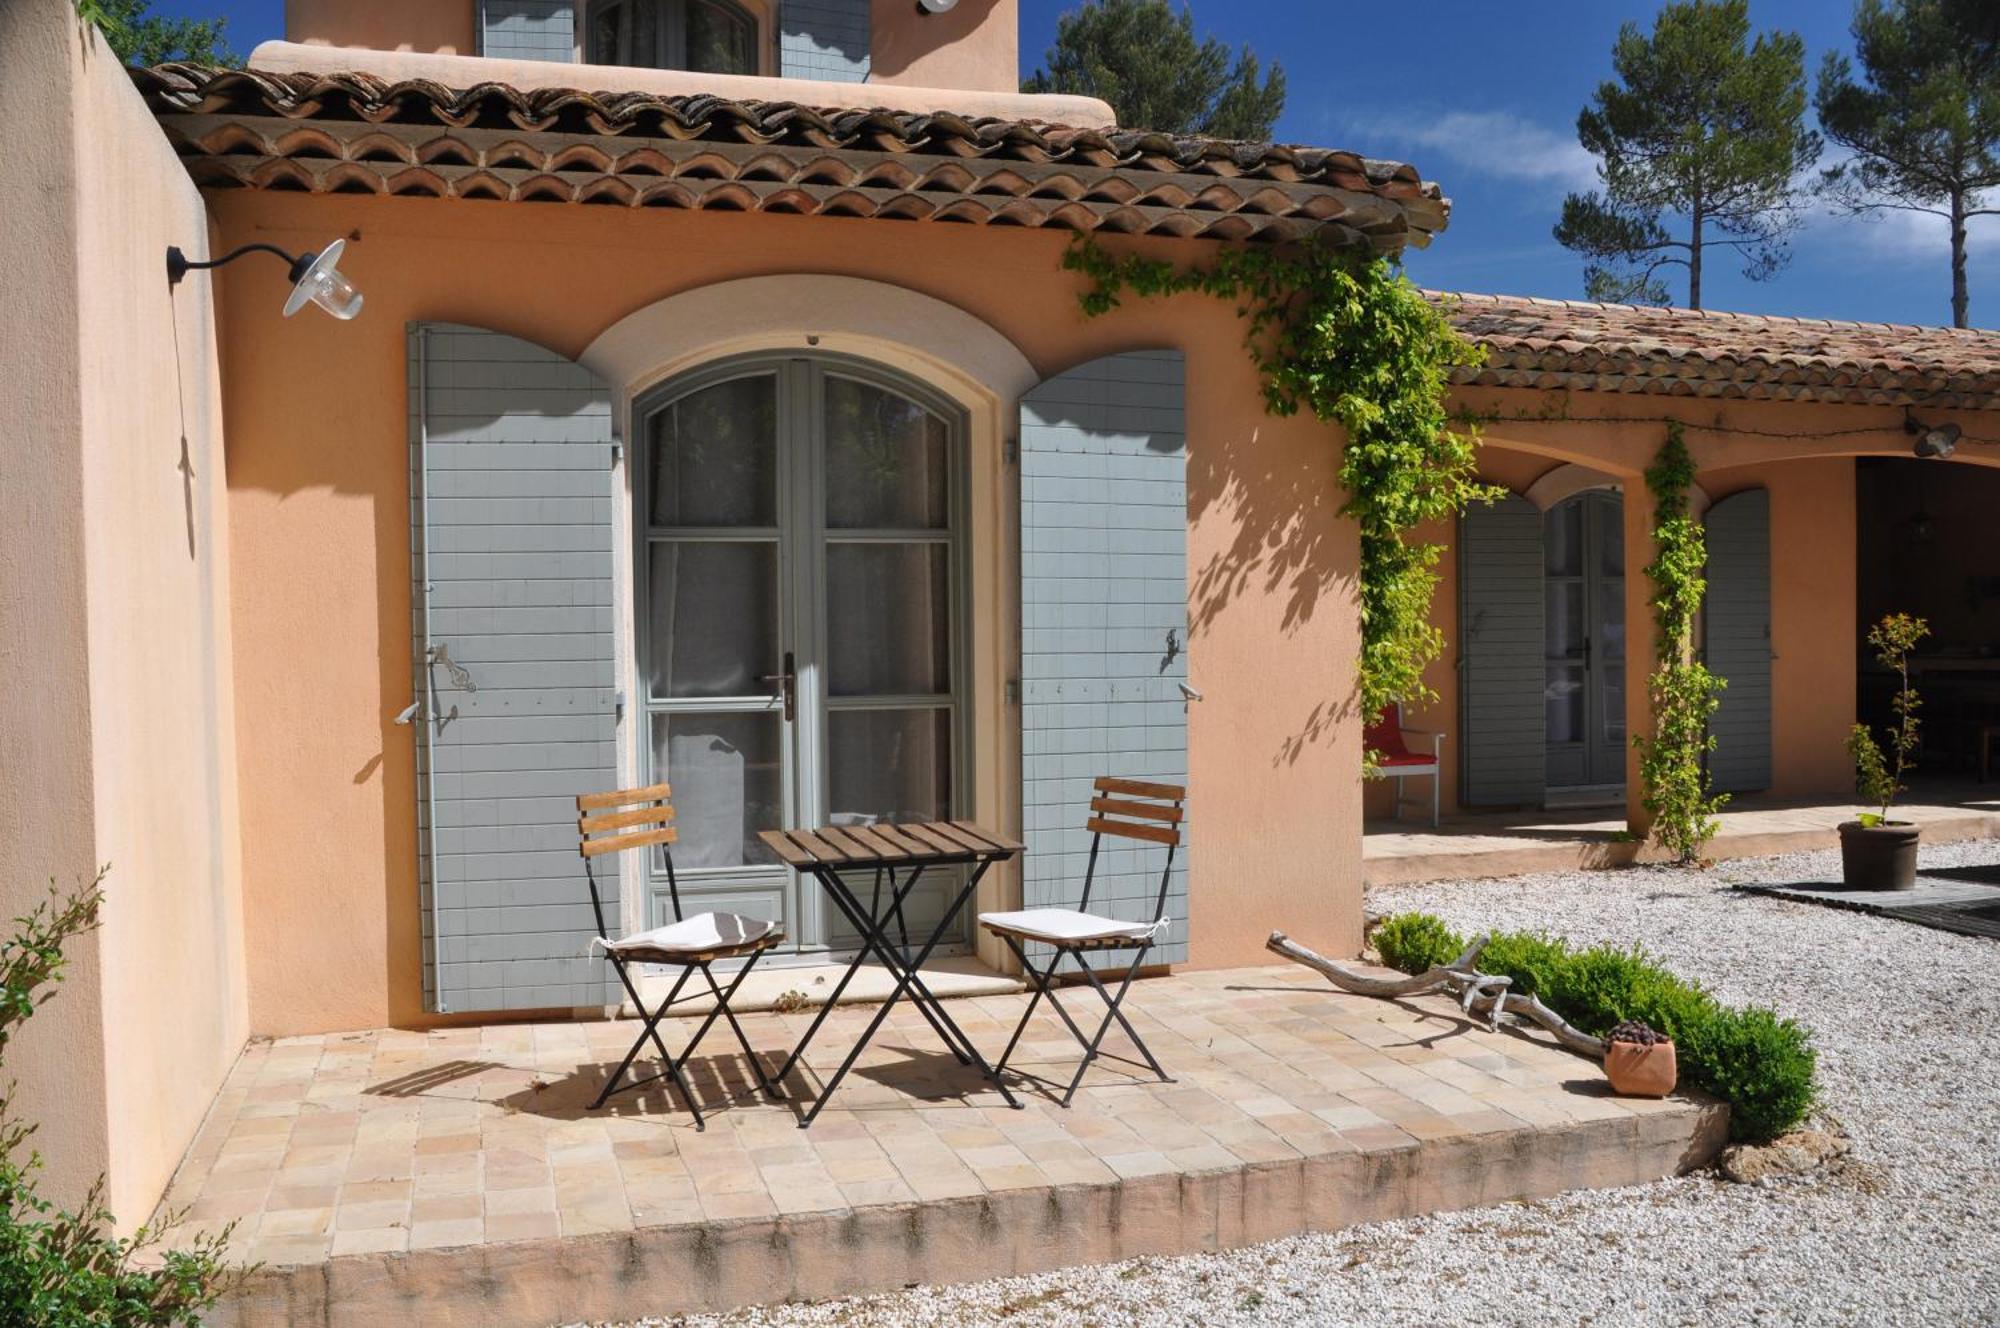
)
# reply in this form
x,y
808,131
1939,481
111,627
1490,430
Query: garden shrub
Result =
x,y
62,1269
1762,1065
1414,942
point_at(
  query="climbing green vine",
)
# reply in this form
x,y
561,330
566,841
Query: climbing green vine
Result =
x,y
1351,339
1673,758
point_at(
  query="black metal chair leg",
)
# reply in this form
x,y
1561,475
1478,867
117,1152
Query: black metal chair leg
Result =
x,y
1040,981
1116,1007
650,1033
722,1000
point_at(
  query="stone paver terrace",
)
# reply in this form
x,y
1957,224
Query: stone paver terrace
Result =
x,y
372,1172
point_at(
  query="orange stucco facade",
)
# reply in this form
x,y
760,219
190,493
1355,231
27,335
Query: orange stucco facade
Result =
x,y
318,478
1802,453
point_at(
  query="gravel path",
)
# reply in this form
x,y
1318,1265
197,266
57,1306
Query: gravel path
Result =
x,y
1905,1232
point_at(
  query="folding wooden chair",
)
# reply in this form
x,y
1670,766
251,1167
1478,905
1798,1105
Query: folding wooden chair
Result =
x,y
641,818
1133,810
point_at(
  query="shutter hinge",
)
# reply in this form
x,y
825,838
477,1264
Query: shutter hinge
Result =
x,y
617,454
1010,451
1013,691
618,707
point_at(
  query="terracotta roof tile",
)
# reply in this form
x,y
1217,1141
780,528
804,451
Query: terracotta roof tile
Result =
x,y
1578,346
355,132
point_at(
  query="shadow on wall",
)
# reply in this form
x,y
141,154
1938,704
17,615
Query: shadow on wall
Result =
x,y
1290,543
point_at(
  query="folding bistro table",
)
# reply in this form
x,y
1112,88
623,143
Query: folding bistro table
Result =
x,y
832,854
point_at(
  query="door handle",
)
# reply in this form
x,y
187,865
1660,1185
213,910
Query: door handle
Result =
x,y
787,684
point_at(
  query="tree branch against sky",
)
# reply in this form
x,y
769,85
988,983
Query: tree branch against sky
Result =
x,y
1923,119
1144,59
141,38
1700,141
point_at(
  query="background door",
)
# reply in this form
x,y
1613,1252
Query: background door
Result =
x,y
1584,626
799,593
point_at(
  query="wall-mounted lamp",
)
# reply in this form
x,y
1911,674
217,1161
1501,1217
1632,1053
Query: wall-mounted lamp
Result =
x,y
1933,443
316,278
935,6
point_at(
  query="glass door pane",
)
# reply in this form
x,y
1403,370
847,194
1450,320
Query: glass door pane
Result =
x,y
713,636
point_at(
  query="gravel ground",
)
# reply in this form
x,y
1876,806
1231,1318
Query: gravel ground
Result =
x,y
1906,1231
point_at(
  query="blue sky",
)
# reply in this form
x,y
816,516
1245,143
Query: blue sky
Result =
x,y
1482,96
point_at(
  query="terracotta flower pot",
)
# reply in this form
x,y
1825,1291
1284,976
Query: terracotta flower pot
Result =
x,y
1879,857
1637,1070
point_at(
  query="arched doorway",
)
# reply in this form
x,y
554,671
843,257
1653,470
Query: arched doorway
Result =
x,y
799,604
1583,548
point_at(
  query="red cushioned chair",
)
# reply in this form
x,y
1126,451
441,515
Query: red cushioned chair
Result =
x,y
1389,740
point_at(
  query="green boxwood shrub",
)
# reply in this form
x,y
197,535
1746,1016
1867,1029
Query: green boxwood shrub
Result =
x,y
1760,1064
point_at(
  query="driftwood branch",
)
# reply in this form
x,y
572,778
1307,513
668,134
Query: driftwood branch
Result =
x,y
1488,995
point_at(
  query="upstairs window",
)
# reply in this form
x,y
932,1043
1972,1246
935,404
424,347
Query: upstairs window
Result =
x,y
707,36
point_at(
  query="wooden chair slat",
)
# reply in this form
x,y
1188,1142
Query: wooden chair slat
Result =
x,y
1146,811
589,802
1157,834
781,844
993,837
615,820
637,839
1138,788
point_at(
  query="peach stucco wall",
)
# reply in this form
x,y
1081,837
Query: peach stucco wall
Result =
x,y
116,724
974,46
1802,453
318,477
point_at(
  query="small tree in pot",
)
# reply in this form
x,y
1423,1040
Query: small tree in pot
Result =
x,y
1877,853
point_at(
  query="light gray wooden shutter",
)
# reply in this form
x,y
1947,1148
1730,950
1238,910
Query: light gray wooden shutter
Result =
x,y
1739,639
825,39
1503,669
528,30
1103,624
511,542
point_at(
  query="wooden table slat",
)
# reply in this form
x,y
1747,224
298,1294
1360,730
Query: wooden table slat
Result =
x,y
781,844
938,845
903,839
818,847
953,835
881,843
857,849
999,840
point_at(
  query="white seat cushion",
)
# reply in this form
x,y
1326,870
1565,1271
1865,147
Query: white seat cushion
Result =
x,y
703,933
1062,925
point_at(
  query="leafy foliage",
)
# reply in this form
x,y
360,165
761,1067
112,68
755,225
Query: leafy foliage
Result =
x,y
140,38
1703,125
61,1269
1923,119
1762,1065
1673,759
1417,942
1144,59
1352,340
1878,778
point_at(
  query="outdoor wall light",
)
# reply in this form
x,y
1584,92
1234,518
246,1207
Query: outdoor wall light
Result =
x,y
316,278
935,6
1933,444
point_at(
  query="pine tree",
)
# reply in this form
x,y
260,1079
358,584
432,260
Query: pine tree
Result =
x,y
1923,121
1699,143
1144,60
140,38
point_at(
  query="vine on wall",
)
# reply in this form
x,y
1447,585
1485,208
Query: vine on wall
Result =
x,y
1684,694
1350,338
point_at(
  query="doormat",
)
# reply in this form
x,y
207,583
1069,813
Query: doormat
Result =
x,y
1968,907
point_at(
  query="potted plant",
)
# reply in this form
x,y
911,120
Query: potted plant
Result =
x,y
1639,1061
1877,853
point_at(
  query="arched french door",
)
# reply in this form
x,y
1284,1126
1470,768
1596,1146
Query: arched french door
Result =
x,y
1583,586
800,602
